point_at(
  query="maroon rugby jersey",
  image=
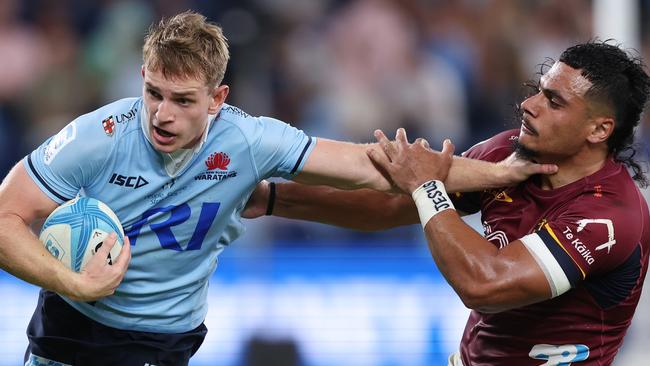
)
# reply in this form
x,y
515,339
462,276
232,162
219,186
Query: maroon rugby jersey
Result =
x,y
591,239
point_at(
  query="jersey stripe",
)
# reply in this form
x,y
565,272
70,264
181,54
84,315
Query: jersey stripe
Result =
x,y
302,155
40,179
551,267
550,238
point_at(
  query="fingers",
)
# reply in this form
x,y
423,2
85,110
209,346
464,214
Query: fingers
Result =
x,y
107,245
400,137
378,158
448,147
385,144
125,255
544,169
422,142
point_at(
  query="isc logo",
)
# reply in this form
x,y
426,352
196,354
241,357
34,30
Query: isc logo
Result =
x,y
125,181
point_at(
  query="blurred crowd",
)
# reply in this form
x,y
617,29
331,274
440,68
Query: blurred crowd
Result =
x,y
335,68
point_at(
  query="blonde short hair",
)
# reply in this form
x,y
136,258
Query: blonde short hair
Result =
x,y
187,45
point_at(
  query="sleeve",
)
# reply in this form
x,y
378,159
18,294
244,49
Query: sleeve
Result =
x,y
493,149
71,159
279,149
586,240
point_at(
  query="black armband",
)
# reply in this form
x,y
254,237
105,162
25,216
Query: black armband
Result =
x,y
269,205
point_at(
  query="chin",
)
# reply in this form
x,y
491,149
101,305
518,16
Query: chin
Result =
x,y
523,151
167,149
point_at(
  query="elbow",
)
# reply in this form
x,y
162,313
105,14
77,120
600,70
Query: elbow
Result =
x,y
473,296
483,296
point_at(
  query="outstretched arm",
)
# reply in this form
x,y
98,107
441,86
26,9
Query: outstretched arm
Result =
x,y
347,166
23,255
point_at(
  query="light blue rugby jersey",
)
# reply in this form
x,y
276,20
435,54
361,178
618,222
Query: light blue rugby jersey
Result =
x,y
177,226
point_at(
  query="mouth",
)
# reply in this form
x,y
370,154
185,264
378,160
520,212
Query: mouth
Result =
x,y
527,128
163,137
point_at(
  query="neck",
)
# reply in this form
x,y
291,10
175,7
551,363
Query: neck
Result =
x,y
574,168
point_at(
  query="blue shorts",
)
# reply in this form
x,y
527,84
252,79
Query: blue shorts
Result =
x,y
60,335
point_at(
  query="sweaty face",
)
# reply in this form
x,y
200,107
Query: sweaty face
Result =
x,y
177,110
555,120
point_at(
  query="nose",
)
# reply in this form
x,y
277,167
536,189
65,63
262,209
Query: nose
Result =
x,y
529,105
165,112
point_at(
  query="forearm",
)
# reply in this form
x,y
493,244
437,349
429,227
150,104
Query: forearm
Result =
x,y
23,255
342,165
362,209
462,255
486,278
469,175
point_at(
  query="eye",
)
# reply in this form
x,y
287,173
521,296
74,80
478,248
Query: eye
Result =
x,y
154,94
552,103
184,101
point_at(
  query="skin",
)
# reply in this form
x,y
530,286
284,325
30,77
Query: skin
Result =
x,y
179,107
563,128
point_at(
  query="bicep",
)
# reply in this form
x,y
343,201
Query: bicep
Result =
x,y
20,196
342,165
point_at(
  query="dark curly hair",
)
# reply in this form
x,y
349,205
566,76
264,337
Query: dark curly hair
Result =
x,y
620,82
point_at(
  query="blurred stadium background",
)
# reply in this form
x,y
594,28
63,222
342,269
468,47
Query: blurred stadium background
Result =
x,y
291,293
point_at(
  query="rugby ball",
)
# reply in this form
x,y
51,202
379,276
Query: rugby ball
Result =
x,y
76,230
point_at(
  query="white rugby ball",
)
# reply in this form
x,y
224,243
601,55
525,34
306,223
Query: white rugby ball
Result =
x,y
76,230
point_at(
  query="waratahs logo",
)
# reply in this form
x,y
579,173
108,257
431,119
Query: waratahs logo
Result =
x,y
218,160
217,164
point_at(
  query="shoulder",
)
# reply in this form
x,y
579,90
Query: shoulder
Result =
x,y
611,211
97,131
231,113
495,148
614,191
111,118
251,127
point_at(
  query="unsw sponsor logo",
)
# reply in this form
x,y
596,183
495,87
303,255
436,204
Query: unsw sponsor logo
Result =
x,y
128,181
126,117
108,123
217,168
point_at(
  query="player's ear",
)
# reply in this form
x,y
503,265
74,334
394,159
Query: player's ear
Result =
x,y
217,98
603,127
142,71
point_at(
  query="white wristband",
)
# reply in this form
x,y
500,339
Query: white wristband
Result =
x,y
431,199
